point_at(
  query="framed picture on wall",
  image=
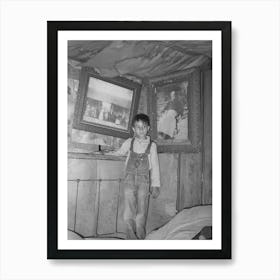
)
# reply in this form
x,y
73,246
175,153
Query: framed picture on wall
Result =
x,y
177,76
174,107
106,105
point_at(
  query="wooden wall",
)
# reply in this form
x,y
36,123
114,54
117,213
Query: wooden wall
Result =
x,y
162,209
207,143
195,183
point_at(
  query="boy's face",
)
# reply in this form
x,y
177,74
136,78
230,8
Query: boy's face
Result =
x,y
140,129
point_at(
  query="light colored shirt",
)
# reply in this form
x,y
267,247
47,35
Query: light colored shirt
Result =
x,y
139,146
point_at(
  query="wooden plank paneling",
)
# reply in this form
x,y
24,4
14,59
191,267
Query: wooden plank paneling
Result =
x,y
108,207
162,209
81,169
107,169
121,225
190,181
142,107
194,99
72,193
86,209
207,144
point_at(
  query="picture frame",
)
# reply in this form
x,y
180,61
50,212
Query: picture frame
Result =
x,y
105,105
177,118
58,247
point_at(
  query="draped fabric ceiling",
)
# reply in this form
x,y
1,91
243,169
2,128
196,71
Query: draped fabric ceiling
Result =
x,y
139,59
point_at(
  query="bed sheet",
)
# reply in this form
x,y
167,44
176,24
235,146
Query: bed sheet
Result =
x,y
185,225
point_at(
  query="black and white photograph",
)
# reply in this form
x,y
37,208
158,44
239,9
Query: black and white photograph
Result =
x,y
104,105
97,199
138,174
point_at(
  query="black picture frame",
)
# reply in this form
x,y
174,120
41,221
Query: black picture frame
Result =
x,y
193,77
53,27
108,128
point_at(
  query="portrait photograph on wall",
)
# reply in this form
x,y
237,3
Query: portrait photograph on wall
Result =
x,y
105,105
176,100
172,112
143,127
110,107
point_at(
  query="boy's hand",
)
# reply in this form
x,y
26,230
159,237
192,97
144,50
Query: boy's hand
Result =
x,y
155,192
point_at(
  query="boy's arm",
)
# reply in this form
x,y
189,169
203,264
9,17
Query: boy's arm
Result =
x,y
123,150
155,175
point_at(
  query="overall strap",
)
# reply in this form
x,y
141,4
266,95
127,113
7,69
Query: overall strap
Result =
x,y
148,147
131,144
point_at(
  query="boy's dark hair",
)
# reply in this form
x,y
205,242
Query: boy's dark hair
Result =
x,y
141,117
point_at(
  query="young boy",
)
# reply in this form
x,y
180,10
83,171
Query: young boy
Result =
x,y
142,169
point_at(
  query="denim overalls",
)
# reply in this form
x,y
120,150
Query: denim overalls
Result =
x,y
136,193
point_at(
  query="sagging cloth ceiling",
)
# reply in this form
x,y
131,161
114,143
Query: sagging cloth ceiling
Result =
x,y
139,59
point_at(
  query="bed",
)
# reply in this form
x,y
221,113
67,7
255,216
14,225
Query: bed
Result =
x,y
190,223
